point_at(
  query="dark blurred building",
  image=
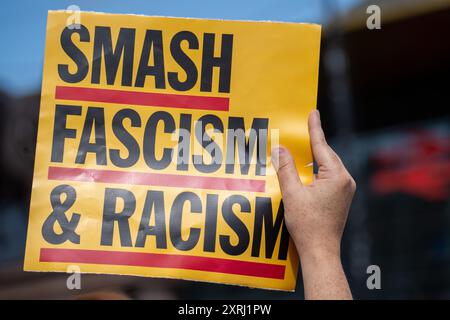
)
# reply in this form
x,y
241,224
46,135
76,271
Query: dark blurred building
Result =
x,y
394,136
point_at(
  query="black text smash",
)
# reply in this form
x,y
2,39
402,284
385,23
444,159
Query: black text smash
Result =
x,y
123,52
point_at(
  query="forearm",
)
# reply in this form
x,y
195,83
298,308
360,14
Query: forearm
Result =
x,y
323,277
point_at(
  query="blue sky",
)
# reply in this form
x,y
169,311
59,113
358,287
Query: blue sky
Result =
x,y
22,31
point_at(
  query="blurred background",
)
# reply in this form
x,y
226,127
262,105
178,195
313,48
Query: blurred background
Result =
x,y
384,100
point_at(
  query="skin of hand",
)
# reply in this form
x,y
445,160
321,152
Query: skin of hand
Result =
x,y
315,214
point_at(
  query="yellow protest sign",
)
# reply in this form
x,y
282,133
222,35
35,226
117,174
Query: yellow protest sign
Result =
x,y
153,147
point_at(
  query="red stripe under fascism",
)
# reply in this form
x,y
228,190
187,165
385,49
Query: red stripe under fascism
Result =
x,y
155,179
142,98
155,260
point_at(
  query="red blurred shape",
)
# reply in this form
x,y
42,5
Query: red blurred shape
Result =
x,y
420,167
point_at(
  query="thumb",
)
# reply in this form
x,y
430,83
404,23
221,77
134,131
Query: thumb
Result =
x,y
284,165
322,152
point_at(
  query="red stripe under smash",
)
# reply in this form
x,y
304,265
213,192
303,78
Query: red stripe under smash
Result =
x,y
142,98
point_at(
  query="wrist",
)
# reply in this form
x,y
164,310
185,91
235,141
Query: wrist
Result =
x,y
320,262
319,254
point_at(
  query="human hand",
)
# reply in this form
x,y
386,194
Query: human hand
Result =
x,y
315,214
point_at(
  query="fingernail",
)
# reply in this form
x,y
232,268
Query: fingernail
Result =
x,y
275,160
275,156
280,149
318,113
